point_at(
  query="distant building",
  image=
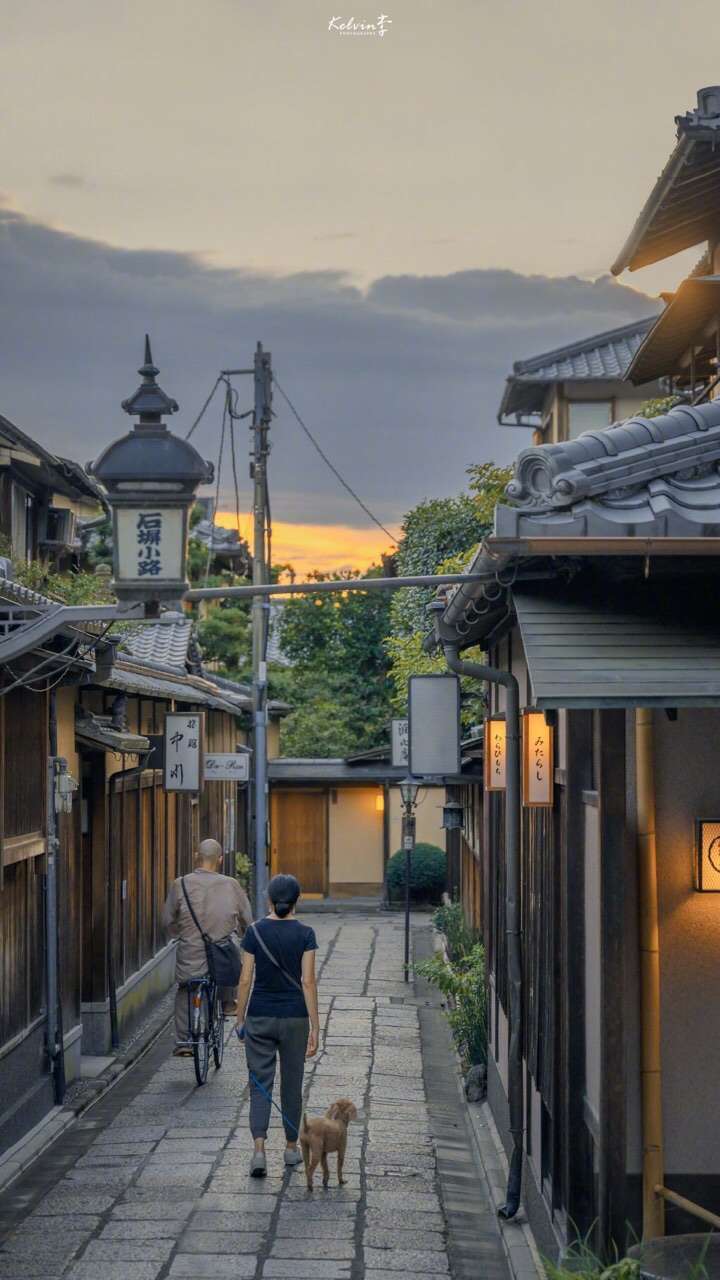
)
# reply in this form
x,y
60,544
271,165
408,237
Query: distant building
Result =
x,y
576,388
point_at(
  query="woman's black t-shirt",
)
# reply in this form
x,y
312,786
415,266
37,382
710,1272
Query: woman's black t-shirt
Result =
x,y
273,996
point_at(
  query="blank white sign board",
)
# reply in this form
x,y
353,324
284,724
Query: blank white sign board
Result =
x,y
434,725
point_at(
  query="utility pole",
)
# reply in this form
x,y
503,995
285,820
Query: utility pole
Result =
x,y
262,414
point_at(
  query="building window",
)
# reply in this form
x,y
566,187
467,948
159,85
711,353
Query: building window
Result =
x,y
588,415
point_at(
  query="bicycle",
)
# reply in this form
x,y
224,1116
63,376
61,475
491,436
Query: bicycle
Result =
x,y
206,1021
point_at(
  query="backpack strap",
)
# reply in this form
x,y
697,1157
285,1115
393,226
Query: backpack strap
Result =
x,y
203,934
274,961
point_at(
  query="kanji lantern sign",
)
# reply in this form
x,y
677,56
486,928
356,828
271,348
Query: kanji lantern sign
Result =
x,y
538,760
495,754
151,478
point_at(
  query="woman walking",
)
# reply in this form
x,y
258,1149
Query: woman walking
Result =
x,y
282,1017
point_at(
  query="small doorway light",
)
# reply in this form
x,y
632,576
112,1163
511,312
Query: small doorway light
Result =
x,y
707,855
380,802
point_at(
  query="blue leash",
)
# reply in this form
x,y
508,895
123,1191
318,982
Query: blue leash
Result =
x,y
288,1123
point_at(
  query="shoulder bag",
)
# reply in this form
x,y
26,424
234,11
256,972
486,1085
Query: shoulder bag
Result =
x,y
223,956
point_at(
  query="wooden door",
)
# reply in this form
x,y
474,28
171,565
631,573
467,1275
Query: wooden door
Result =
x,y
299,838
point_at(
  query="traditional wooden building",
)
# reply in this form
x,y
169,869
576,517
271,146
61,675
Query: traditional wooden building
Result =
x,y
599,611
100,704
600,601
335,823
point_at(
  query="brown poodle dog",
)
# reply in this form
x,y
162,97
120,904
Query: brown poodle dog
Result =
x,y
323,1135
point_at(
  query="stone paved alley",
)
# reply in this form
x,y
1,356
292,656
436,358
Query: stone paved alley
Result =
x,y
152,1180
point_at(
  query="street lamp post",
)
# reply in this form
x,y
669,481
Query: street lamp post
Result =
x,y
151,478
408,791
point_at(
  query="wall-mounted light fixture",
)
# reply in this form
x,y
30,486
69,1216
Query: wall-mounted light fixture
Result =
x,y
538,760
707,855
452,815
380,802
495,764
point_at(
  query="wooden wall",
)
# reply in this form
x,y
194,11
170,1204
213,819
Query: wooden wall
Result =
x,y
23,763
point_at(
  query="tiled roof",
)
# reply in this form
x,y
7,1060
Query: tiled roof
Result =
x,y
166,641
602,356
642,477
681,210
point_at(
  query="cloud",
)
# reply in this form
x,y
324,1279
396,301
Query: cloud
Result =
x,y
68,180
400,383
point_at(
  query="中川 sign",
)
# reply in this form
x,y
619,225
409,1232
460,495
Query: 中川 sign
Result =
x,y
227,766
184,750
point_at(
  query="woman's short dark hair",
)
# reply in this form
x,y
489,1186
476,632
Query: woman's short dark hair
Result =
x,y
283,892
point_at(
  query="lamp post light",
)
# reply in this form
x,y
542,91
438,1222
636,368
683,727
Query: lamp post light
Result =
x,y
151,478
408,791
452,818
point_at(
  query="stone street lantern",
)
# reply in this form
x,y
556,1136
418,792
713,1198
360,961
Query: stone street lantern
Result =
x,y
151,478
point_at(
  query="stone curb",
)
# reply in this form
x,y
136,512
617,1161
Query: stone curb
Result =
x,y
523,1256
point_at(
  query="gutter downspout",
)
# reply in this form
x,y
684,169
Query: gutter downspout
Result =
x,y
55,1041
493,675
651,1063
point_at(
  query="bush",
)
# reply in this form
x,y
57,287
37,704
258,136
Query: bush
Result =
x,y
463,984
450,920
243,870
427,874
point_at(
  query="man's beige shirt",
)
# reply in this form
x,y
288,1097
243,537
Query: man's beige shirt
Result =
x,y
221,906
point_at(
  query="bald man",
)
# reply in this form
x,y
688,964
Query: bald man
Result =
x,y
221,906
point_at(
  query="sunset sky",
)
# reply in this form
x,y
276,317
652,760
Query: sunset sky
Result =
x,y
397,219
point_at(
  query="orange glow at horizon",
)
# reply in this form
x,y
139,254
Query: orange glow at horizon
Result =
x,y
318,546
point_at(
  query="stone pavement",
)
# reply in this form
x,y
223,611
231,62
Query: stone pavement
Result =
x,y
152,1181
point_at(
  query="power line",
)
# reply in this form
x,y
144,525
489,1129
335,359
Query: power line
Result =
x,y
211,539
329,464
216,384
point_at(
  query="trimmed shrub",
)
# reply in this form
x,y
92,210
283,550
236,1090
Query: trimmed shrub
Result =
x,y
427,874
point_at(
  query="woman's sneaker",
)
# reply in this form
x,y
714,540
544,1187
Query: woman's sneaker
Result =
x,y
293,1157
258,1165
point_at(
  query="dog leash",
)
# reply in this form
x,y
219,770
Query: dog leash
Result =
x,y
288,1123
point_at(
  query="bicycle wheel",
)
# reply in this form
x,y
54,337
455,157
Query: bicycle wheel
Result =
x,y
201,1033
218,1038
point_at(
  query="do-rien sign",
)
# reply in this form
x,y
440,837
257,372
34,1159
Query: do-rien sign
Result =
x,y
227,766
184,750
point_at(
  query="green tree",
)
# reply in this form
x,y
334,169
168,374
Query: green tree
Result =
x,y
338,683
439,535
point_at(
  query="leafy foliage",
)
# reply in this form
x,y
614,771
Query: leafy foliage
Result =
x,y
579,1259
243,869
661,404
225,638
450,920
439,535
428,870
463,984
338,682
73,587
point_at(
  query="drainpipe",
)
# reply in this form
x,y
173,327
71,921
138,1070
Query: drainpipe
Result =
x,y
55,1045
493,675
650,1064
